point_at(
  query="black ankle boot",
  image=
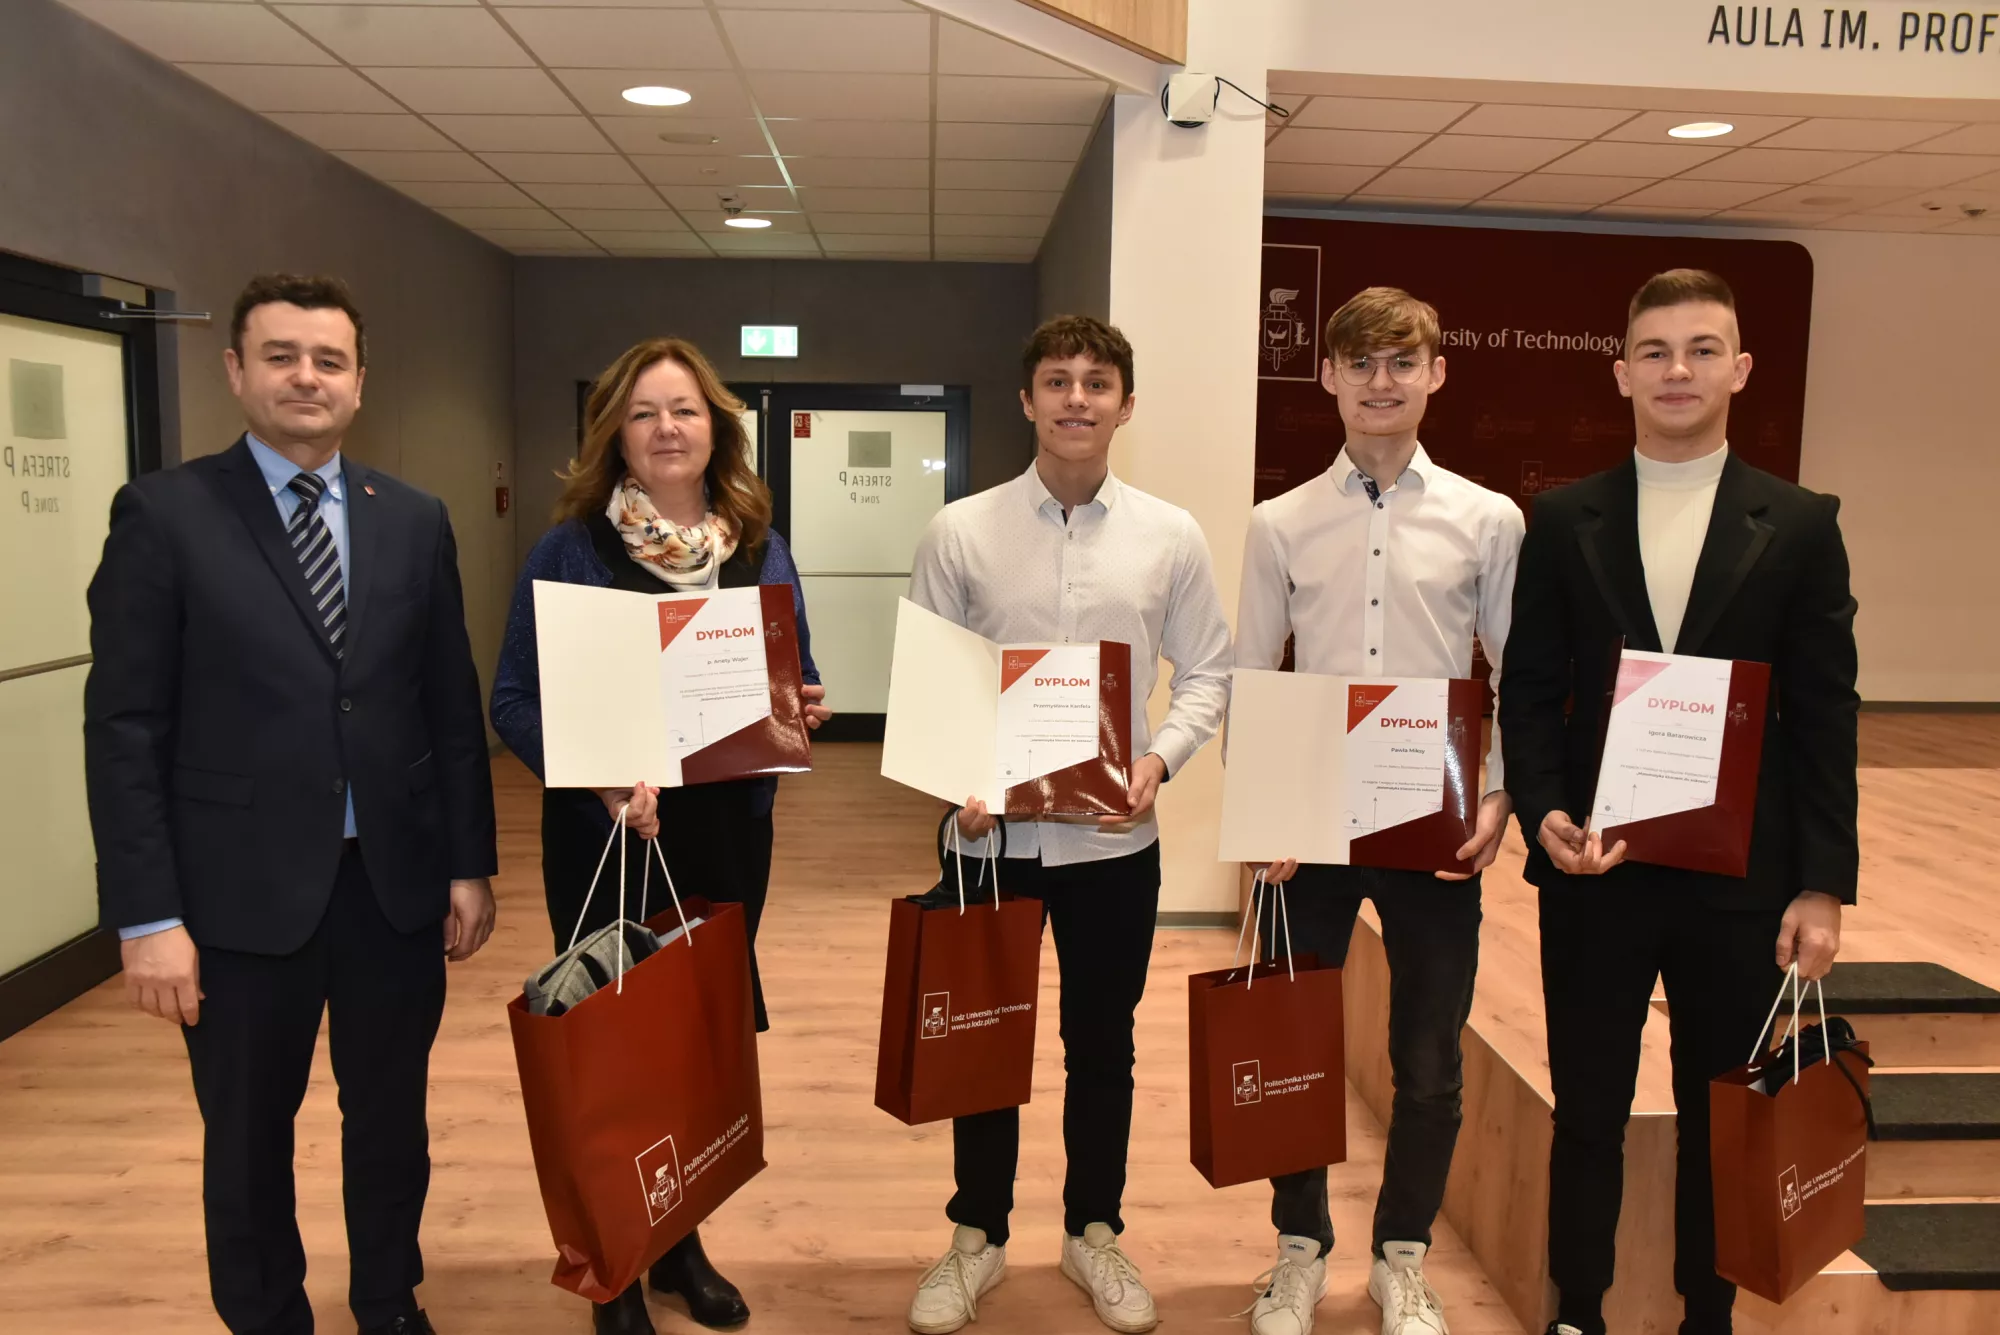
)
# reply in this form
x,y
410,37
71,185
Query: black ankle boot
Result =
x,y
623,1315
712,1300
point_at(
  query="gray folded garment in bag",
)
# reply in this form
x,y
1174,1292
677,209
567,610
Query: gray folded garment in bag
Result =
x,y
591,963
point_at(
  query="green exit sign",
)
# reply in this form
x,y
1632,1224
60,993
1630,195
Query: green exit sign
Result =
x,y
770,340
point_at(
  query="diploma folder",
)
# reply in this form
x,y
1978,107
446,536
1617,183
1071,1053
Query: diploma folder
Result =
x,y
672,689
949,697
1351,771
1678,757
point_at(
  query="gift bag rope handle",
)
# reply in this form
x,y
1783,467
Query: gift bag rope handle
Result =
x,y
618,837
1792,1026
958,853
1257,887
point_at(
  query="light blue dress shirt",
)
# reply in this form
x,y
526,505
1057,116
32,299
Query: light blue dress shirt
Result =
x,y
278,473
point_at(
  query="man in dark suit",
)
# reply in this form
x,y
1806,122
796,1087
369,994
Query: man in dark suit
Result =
x,y
1687,549
291,800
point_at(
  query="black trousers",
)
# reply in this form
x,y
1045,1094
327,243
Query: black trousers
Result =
x,y
1602,947
251,1053
1430,932
717,843
1102,914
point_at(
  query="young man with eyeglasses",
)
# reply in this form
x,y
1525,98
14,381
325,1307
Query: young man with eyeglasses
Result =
x,y
1684,548
1385,565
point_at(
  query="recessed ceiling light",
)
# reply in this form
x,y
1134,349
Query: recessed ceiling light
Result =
x,y
1701,129
747,222
657,95
688,137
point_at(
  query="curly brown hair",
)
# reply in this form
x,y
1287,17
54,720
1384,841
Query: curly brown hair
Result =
x,y
736,494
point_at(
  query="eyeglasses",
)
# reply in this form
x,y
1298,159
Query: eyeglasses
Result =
x,y
1403,368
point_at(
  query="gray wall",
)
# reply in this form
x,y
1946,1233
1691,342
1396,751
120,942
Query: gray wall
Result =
x,y
859,322
1073,271
119,164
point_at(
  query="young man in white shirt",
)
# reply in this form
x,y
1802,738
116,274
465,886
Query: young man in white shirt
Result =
x,y
1066,553
1685,548
1384,565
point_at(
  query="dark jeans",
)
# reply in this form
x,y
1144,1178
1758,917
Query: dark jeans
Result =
x,y
251,1054
1430,931
1102,914
1601,951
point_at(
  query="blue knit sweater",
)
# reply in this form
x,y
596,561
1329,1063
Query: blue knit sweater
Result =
x,y
565,555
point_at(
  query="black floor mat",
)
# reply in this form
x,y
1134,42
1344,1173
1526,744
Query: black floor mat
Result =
x,y
1900,989
1933,1246
1932,1106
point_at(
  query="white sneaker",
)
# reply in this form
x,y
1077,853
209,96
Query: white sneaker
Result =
x,y
1409,1304
948,1295
1094,1262
1292,1288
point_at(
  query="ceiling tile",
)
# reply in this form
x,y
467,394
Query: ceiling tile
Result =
x,y
1865,222
873,224
1973,227
866,201
395,166
1478,152
1649,215
1971,139
524,134
707,198
1699,194
845,245
1780,166
1404,204
1609,159
1915,171
1651,127
1579,191
537,239
617,39
466,194
1376,113
1821,199
1871,135
973,224
868,97
293,87
1036,202
1311,178
988,247
716,93
586,195
1435,183
475,91
762,243
710,171
657,219
460,3
419,35
224,33
562,168
1348,148
894,173
480,219
870,43
342,130
1047,101
1541,122
966,50
1495,205
718,138
965,139
989,174
666,247
1982,183
1943,204
852,139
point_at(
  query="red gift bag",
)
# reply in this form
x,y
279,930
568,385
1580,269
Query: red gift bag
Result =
x,y
958,1001
1790,1171
1267,1081
643,1103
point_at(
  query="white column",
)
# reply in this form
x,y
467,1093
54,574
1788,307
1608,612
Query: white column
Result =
x,y
1186,241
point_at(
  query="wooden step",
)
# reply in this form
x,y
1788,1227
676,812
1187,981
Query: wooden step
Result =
x,y
1939,1135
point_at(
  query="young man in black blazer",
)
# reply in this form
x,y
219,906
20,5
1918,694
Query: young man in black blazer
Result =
x,y
291,801
1683,548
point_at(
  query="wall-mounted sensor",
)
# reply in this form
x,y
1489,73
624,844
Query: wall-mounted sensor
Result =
x,y
1189,99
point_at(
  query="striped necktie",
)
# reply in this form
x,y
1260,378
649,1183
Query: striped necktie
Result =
x,y
313,541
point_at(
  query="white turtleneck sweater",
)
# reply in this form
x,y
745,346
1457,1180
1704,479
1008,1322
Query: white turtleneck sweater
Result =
x,y
1674,505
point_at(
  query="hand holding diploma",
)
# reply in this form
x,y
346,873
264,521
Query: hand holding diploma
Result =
x,y
1575,852
816,713
1484,845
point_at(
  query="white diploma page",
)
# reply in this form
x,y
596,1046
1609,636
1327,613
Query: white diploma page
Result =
x,y
1663,746
714,677
944,694
1395,753
633,682
1283,768
1047,712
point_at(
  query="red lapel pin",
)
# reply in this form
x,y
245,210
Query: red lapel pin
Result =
x,y
370,490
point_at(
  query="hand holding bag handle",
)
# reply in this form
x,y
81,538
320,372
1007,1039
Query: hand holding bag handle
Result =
x,y
958,853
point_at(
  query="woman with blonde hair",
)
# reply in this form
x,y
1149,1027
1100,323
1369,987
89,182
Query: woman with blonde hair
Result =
x,y
662,498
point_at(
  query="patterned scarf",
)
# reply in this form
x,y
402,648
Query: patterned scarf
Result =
x,y
685,558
